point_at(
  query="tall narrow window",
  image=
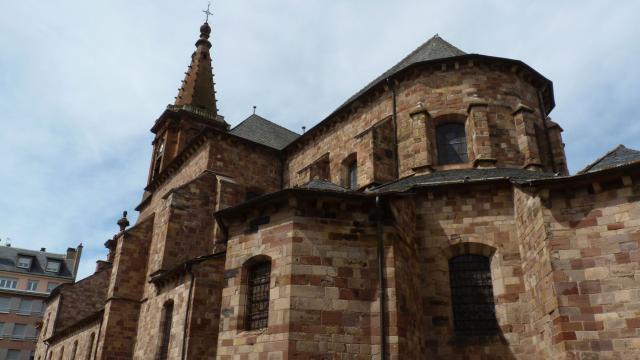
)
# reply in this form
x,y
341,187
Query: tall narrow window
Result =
x,y
165,331
74,349
352,172
474,311
258,296
157,162
452,143
90,346
61,353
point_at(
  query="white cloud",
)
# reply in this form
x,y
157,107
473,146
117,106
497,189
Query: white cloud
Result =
x,y
82,82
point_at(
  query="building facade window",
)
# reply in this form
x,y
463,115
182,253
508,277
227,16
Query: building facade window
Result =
x,y
452,143
51,286
8,283
19,331
25,307
165,330
32,285
4,304
13,354
474,311
53,266
259,279
24,262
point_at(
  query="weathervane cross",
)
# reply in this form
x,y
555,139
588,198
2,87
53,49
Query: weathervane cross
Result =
x,y
207,12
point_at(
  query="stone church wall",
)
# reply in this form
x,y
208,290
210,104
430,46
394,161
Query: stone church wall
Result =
x,y
82,339
595,237
323,283
148,327
539,300
442,93
476,220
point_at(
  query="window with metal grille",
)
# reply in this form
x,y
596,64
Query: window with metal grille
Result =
x,y
452,143
258,296
474,310
165,326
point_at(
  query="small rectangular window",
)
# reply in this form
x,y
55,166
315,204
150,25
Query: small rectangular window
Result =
x,y
8,283
4,304
24,262
51,286
25,307
18,331
13,354
32,285
53,266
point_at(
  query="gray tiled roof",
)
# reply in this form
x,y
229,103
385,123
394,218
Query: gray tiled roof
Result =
x,y
620,155
9,258
462,175
260,130
319,184
432,49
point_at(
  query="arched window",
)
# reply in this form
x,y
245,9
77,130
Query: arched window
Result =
x,y
157,162
352,172
259,279
90,346
61,353
165,330
452,143
474,310
74,349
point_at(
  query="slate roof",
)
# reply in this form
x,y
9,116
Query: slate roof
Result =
x,y
9,258
461,176
318,184
618,156
260,130
433,49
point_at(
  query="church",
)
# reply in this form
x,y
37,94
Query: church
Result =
x,y
430,216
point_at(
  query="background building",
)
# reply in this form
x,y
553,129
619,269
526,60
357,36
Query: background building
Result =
x,y
27,277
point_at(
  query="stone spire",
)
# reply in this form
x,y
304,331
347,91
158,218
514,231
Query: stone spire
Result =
x,y
197,88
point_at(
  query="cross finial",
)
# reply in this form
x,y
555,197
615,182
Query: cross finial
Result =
x,y
207,12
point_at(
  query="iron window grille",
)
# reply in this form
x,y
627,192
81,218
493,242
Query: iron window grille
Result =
x,y
258,296
452,143
167,319
474,310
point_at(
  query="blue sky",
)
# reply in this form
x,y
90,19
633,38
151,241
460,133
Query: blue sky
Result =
x,y
81,83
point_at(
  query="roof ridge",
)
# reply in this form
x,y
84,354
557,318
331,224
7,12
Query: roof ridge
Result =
x,y
265,119
598,160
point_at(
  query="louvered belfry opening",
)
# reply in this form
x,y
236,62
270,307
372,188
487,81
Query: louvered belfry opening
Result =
x,y
258,296
165,328
474,310
452,143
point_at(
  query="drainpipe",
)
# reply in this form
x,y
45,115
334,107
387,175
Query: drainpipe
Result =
x,y
186,316
546,131
381,280
394,120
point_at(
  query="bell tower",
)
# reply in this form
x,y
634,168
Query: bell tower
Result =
x,y
193,111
